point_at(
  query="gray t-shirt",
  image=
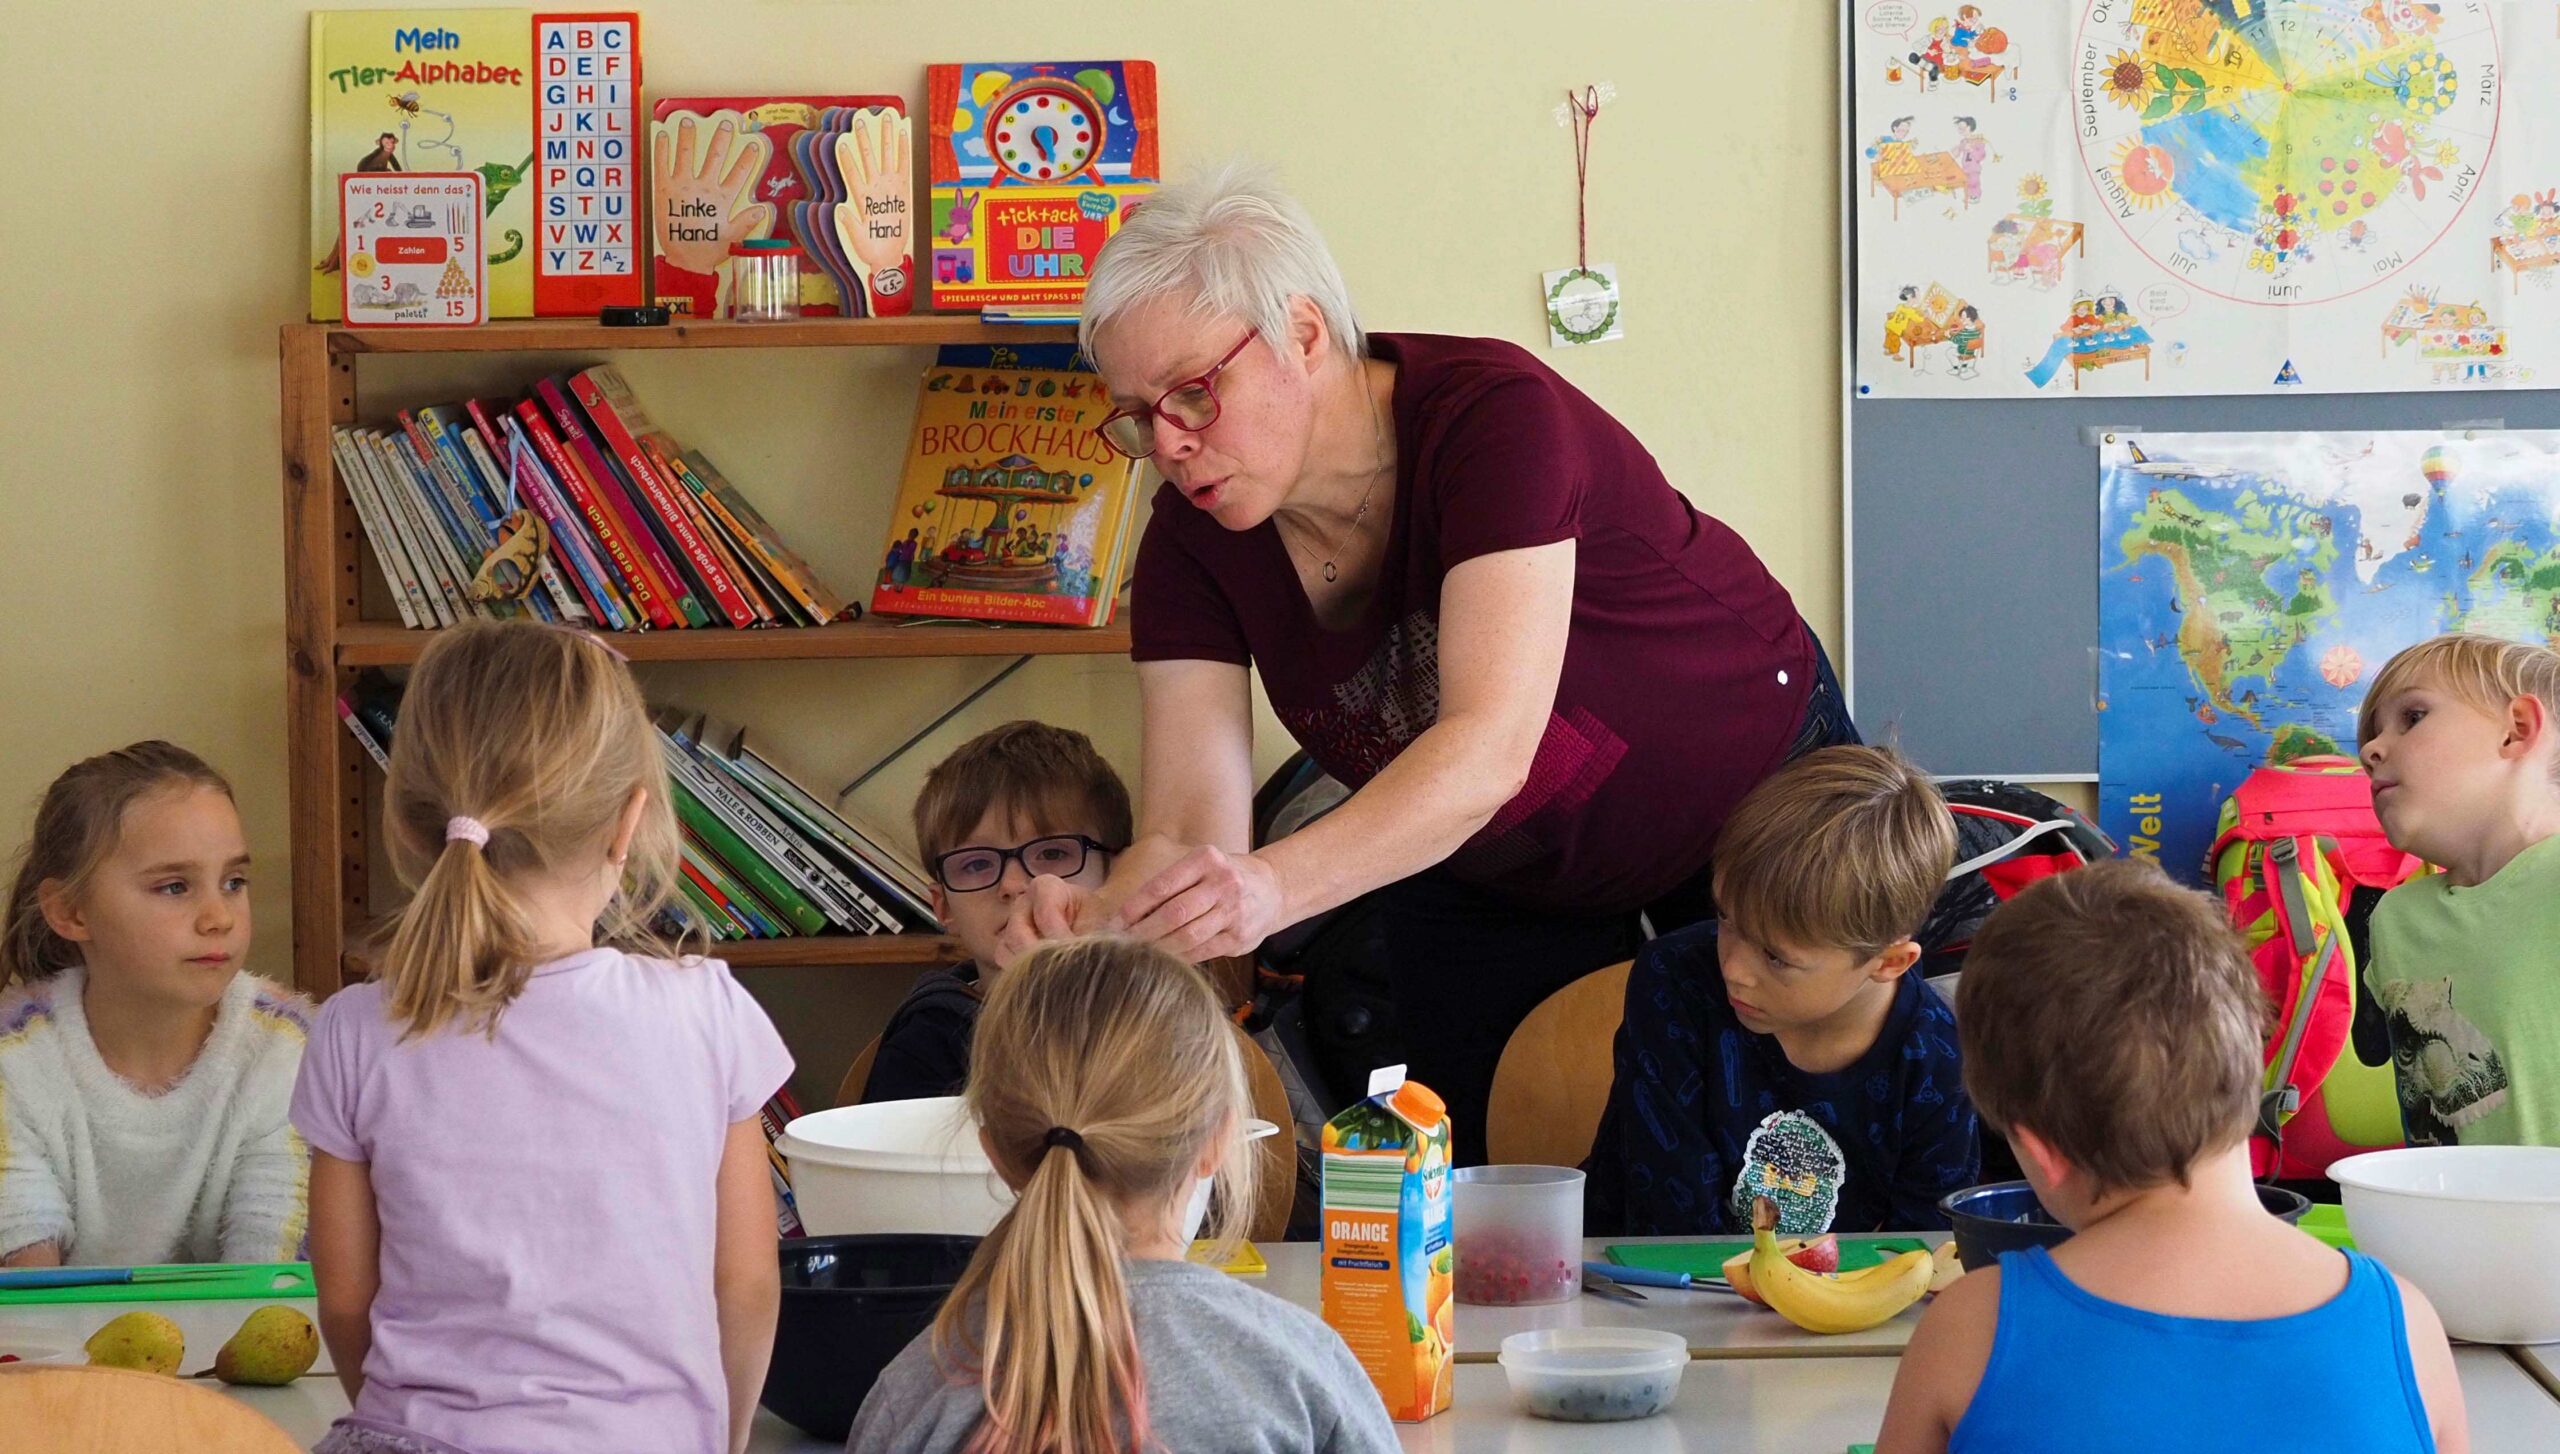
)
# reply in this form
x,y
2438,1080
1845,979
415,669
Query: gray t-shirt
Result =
x,y
1230,1370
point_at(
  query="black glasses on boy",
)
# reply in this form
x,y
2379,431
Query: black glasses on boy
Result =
x,y
969,870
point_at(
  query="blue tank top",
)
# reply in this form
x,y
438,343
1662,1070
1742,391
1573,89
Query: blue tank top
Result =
x,y
2072,1370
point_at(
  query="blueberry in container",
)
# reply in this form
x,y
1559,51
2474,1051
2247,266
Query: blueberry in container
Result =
x,y
1594,1375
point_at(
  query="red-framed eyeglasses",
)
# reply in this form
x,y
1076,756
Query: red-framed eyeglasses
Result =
x,y
1190,406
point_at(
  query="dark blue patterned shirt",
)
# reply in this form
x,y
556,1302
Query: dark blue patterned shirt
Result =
x,y
1705,1114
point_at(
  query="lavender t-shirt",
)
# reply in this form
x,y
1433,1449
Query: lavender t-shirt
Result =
x,y
547,1201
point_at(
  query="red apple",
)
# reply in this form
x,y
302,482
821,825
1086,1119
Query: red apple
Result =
x,y
1822,1254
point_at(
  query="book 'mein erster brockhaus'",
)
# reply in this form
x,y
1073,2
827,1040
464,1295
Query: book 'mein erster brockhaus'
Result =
x,y
1011,508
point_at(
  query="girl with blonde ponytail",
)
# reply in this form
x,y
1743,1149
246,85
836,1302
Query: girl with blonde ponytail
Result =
x,y
541,1217
1106,1083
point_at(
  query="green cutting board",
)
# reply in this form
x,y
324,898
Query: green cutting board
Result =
x,y
2329,1224
1707,1259
232,1280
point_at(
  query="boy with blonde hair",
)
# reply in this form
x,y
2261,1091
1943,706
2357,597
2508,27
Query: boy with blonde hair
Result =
x,y
2460,736
1784,1050
2111,1026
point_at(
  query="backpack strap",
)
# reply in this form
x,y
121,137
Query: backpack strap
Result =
x,y
2009,849
2281,1098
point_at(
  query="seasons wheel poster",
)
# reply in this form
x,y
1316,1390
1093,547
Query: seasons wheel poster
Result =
x,y
2205,196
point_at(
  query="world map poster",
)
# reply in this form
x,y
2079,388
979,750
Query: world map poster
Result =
x,y
2135,197
2251,585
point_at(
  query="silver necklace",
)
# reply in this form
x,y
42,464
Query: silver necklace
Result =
x,y
1361,512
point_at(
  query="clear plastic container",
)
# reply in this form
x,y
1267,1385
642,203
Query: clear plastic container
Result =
x,y
1519,1234
1594,1375
764,283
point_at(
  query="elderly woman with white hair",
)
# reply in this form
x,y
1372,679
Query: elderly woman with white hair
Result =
x,y
1473,598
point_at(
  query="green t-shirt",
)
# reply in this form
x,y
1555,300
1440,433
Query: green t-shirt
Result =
x,y
2469,981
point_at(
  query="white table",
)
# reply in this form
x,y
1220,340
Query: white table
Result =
x,y
2509,1412
1717,1324
1758,1390
1729,1405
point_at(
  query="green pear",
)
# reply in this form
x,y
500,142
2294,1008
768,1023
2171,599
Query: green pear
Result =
x,y
143,1340
276,1345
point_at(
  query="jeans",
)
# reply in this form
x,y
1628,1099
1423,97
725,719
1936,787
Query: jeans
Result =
x,y
1466,965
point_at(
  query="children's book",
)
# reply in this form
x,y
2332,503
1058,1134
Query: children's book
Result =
x,y
1034,166
425,91
759,539
604,480
913,888
816,170
623,427
818,825
1011,508
586,185
776,841
411,245
388,548
733,853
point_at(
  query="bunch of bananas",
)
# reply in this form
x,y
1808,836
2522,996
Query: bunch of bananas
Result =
x,y
1821,1302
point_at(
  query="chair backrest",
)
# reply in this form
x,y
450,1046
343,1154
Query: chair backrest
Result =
x,y
858,1074
1270,1219
1552,1082
50,1410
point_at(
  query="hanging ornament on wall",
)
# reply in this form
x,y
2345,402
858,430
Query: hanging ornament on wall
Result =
x,y
1582,300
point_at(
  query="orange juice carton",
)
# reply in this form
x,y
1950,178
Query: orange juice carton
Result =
x,y
1386,1272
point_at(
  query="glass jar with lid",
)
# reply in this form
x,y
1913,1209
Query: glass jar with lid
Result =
x,y
764,285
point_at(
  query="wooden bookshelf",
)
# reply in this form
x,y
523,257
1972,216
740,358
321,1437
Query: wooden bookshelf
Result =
x,y
583,335
382,643
327,639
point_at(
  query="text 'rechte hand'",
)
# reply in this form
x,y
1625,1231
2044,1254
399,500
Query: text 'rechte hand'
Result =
x,y
875,225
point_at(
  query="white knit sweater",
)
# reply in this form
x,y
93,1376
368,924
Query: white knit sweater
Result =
x,y
208,1171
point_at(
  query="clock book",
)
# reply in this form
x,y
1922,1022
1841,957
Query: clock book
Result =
x,y
1034,166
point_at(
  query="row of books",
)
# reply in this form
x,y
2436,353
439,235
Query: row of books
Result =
x,y
637,532
763,857
777,1114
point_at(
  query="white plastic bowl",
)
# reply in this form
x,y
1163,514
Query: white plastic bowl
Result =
x,y
2476,1228
910,1166
1594,1375
893,1166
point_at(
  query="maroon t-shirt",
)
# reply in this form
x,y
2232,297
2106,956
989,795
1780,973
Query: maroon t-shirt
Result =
x,y
1684,679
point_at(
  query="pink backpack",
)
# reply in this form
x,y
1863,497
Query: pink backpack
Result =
x,y
2300,862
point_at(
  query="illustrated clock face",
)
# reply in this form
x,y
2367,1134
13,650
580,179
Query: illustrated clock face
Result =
x,y
1044,131
2292,151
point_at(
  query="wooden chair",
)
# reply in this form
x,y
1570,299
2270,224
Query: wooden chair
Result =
x,y
858,1074
1270,1219
52,1410
1552,1082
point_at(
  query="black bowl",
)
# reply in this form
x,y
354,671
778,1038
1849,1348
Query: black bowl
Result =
x,y
849,1305
2006,1217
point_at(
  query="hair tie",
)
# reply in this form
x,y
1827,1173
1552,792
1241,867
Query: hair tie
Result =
x,y
1061,1136
469,830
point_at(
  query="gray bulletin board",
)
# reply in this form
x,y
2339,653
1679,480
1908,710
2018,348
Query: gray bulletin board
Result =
x,y
1970,538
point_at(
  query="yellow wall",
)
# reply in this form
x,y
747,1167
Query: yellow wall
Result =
x,y
154,242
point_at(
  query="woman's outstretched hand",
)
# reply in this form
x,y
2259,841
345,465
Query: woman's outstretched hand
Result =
x,y
1203,903
1207,904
